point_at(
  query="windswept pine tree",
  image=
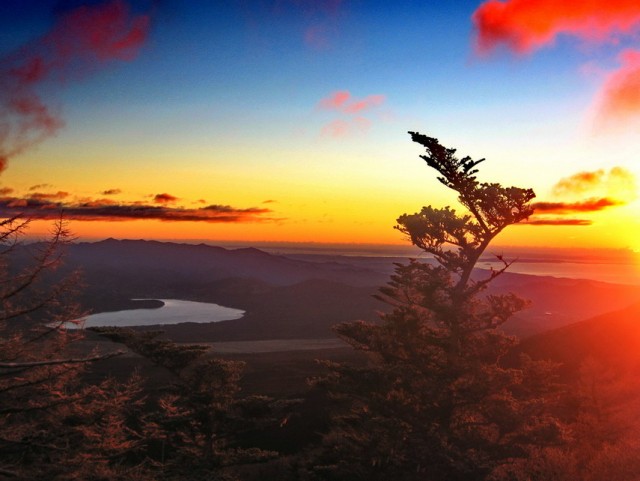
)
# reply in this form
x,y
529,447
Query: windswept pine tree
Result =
x,y
435,402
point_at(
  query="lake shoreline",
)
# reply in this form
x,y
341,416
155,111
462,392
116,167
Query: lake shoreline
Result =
x,y
162,312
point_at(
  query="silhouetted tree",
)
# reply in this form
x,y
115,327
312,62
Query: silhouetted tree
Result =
x,y
435,403
53,425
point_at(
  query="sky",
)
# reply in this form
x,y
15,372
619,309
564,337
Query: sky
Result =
x,y
287,120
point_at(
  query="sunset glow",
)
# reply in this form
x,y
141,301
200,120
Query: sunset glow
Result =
x,y
251,121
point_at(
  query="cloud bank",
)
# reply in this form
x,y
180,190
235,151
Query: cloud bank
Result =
x,y
605,189
51,206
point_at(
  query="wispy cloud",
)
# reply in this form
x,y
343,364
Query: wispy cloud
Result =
x,y
81,40
316,22
320,17
111,192
619,98
40,187
523,26
351,111
342,101
337,100
319,36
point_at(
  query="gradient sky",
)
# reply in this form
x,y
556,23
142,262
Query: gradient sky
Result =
x,y
279,120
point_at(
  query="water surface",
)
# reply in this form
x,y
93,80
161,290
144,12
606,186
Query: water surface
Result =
x,y
174,311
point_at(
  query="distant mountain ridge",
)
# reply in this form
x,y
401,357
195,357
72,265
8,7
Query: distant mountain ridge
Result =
x,y
210,262
289,297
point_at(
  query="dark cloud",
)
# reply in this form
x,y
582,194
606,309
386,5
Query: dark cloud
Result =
x,y
165,198
49,195
108,210
39,187
111,192
558,222
589,205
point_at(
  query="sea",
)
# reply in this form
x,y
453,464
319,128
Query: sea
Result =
x,y
618,266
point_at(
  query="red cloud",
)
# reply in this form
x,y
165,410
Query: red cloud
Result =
x,y
81,40
343,128
6,190
340,101
620,95
526,25
337,100
164,198
364,104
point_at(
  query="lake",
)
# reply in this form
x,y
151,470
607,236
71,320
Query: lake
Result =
x,y
174,311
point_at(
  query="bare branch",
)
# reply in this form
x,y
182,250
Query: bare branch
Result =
x,y
53,362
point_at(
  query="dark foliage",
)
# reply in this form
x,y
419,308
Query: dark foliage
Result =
x,y
198,418
53,425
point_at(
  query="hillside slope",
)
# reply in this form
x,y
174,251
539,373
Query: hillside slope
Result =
x,y
612,340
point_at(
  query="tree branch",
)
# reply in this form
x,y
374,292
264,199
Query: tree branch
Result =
x,y
53,362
